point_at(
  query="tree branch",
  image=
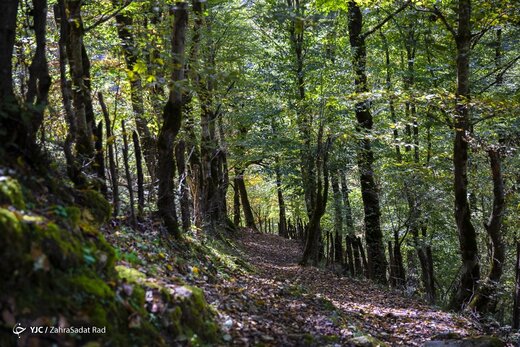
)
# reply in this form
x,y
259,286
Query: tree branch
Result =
x,y
384,21
445,21
106,18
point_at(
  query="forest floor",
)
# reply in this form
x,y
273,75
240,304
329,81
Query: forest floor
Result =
x,y
284,304
262,297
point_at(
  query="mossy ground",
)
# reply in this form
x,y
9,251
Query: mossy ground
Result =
x,y
56,268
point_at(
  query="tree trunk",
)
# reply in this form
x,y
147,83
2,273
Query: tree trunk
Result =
x,y
11,124
377,263
111,157
39,79
246,206
129,181
180,151
140,175
124,30
282,216
350,251
470,274
236,203
100,158
312,242
516,303
338,218
172,118
485,299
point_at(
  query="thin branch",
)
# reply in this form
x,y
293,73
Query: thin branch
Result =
x,y
384,21
106,18
445,21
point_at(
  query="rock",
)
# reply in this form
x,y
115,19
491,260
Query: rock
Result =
x,y
478,341
366,341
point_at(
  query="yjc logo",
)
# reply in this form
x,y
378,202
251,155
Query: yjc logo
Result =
x,y
18,329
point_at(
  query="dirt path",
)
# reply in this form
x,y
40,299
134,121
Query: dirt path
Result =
x,y
283,304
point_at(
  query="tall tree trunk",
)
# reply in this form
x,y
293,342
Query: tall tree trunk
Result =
x,y
312,243
349,259
12,124
129,181
246,206
140,174
100,158
282,215
172,118
377,263
39,79
236,203
338,218
484,300
111,157
184,198
470,274
516,301
80,92
130,50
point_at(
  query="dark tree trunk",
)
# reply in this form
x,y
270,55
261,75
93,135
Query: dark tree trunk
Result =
x,y
73,168
130,51
236,203
358,261
312,242
470,274
39,79
362,256
338,218
8,16
392,267
516,301
111,157
377,263
246,206
129,181
172,118
184,198
399,272
100,158
12,125
350,251
484,300
282,216
140,174
80,92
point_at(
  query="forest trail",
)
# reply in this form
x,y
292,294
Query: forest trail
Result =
x,y
284,304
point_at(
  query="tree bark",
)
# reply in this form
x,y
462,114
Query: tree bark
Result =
x,y
39,78
184,198
100,158
338,218
470,274
516,301
282,215
111,157
485,299
246,205
172,118
129,181
124,27
377,263
312,242
140,174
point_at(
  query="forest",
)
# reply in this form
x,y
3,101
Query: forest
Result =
x,y
259,173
